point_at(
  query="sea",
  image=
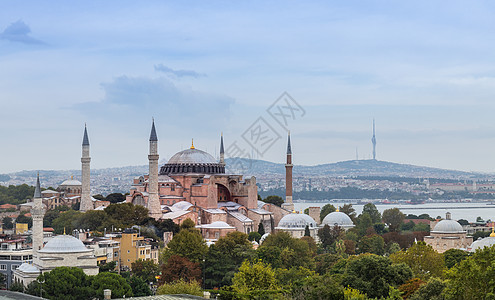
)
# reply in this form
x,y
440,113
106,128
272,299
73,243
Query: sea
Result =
x,y
460,210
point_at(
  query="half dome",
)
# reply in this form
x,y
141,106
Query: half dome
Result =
x,y
64,244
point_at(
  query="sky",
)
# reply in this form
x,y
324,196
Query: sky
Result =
x,y
252,70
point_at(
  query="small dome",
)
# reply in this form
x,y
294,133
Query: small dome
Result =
x,y
217,225
296,221
64,244
28,268
338,218
448,226
192,156
482,243
181,205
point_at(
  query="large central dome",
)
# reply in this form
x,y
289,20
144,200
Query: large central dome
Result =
x,y
192,156
192,161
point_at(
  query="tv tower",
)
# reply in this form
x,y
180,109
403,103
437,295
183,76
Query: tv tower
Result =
x,y
373,140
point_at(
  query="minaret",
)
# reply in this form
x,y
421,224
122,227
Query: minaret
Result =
x,y
154,207
86,202
222,152
373,140
289,205
38,212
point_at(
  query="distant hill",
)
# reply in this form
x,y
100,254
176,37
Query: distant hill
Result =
x,y
119,179
352,168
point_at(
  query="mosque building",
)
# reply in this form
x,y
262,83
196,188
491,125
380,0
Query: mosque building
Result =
x,y
60,251
448,234
194,185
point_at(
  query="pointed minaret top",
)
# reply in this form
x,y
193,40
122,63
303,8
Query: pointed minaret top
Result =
x,y
85,138
153,137
37,190
289,149
192,144
221,144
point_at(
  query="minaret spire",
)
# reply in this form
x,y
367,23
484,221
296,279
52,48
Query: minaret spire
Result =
x,y
373,140
222,152
38,212
86,201
289,205
153,196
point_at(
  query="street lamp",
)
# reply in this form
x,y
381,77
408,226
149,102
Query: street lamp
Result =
x,y
41,281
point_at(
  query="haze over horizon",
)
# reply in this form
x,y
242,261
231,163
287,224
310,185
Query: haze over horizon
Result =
x,y
425,71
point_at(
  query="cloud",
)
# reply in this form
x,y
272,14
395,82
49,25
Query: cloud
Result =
x,y
19,32
178,73
142,97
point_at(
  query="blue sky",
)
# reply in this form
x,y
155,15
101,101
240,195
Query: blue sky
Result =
x,y
425,70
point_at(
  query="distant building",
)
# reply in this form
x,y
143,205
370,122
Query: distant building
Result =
x,y
13,253
134,247
448,234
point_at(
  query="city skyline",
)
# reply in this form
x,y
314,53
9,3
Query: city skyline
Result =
x,y
424,71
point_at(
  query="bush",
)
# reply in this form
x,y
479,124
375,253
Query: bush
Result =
x,y
180,287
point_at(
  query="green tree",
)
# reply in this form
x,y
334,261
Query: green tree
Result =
x,y
421,227
422,259
276,200
108,267
128,214
180,268
292,252
372,211
92,220
393,248
324,262
472,277
453,257
66,221
119,286
115,197
261,229
372,244
306,231
139,287
180,287
393,217
349,210
66,283
432,290
187,243
254,236
320,287
225,257
325,210
325,236
364,223
145,269
373,274
187,224
23,219
255,277
7,223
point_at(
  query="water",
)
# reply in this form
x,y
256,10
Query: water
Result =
x,y
463,210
